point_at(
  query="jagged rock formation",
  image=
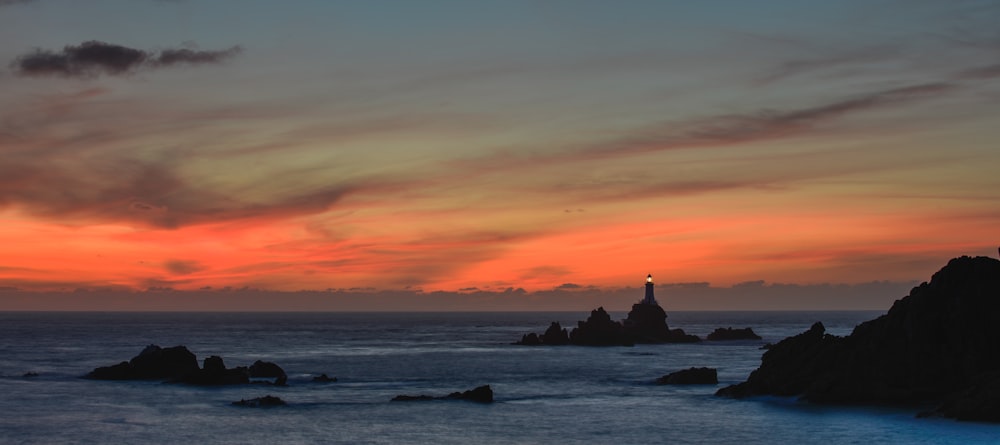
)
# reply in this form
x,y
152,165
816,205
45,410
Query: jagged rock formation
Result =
x,y
554,335
646,323
481,394
599,330
722,334
179,365
936,346
690,376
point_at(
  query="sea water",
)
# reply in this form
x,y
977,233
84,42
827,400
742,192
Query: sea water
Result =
x,y
545,394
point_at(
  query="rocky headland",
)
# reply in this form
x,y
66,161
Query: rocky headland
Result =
x,y
936,347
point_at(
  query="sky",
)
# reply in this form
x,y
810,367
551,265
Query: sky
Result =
x,y
492,154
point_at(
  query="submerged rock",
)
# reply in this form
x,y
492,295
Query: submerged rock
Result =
x,y
481,394
935,346
690,376
261,402
722,334
323,378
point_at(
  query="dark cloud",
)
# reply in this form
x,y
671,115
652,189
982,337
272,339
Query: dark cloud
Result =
x,y
720,130
169,57
183,267
94,58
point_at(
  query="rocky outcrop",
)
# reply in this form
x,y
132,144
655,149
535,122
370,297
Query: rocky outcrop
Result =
x,y
261,402
690,376
599,330
323,378
214,372
936,346
179,365
262,369
554,335
722,334
646,323
481,394
152,363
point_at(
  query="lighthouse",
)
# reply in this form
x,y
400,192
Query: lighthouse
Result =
x,y
649,299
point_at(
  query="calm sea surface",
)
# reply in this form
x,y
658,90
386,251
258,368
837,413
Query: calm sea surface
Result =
x,y
543,394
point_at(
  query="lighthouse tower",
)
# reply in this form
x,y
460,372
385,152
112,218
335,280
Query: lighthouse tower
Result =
x,y
649,299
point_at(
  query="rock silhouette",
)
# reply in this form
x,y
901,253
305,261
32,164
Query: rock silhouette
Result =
x,y
646,323
262,369
179,365
721,334
690,376
152,363
261,402
938,345
481,394
323,378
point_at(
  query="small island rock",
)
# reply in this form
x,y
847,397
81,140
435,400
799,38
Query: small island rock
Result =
x,y
481,394
722,334
690,376
261,402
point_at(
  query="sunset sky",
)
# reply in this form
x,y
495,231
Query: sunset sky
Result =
x,y
479,147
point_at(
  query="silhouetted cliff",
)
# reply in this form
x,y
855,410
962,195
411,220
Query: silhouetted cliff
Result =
x,y
935,346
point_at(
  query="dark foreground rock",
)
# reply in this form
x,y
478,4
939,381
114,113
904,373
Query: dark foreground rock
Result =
x,y
261,402
722,334
936,346
481,394
690,376
179,365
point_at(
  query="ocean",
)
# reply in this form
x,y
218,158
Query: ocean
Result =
x,y
544,395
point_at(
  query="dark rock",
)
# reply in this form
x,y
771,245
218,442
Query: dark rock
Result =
x,y
529,339
261,402
690,376
262,369
30,375
646,323
599,330
406,398
214,372
153,362
323,378
979,402
936,346
555,335
481,394
721,334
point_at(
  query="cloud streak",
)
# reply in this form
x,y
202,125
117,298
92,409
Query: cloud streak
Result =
x,y
93,58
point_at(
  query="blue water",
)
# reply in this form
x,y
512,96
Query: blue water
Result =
x,y
543,394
